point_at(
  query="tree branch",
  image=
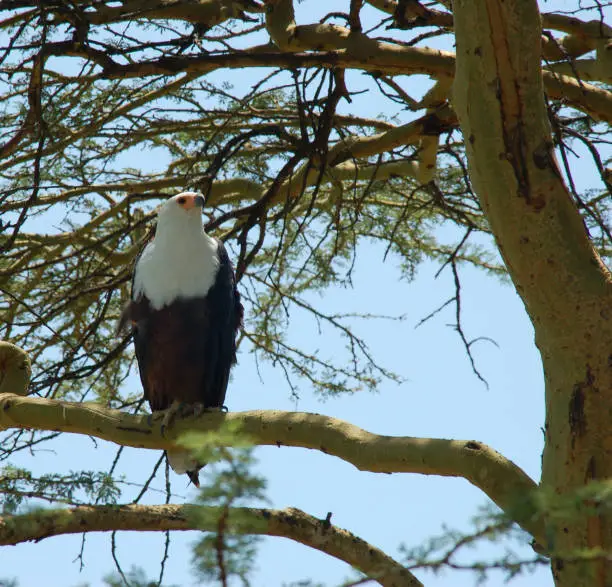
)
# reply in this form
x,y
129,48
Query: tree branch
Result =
x,y
288,523
375,58
207,13
505,483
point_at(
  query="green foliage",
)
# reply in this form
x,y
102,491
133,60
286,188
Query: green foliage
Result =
x,y
211,447
450,550
229,481
19,486
221,556
114,146
68,269
593,499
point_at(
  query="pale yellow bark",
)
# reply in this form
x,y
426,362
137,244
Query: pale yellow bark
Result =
x,y
202,12
288,523
361,147
587,69
505,483
379,57
15,369
565,286
583,36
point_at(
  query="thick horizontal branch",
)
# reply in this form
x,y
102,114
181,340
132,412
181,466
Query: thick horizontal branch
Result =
x,y
383,58
288,523
373,56
331,46
583,36
207,13
505,483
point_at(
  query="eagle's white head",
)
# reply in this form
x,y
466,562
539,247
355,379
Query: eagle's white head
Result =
x,y
182,260
179,214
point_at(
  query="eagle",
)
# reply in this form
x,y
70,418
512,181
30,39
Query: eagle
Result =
x,y
184,313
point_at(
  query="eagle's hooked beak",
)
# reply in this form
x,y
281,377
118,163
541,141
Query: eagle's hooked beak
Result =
x,y
190,202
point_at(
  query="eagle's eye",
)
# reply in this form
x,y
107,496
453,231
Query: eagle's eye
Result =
x,y
181,201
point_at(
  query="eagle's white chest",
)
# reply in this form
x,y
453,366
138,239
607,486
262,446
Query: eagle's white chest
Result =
x,y
182,267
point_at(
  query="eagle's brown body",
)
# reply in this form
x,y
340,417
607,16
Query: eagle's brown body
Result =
x,y
185,313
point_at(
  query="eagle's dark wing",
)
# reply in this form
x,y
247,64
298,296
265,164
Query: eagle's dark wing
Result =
x,y
224,320
186,349
132,311
135,317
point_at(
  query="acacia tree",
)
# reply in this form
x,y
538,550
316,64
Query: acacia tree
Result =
x,y
294,182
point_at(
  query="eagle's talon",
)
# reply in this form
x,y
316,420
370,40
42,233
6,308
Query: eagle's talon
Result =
x,y
198,409
170,414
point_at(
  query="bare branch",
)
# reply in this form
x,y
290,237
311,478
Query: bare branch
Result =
x,y
288,523
505,483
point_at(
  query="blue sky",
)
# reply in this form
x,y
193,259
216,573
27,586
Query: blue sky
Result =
x,y
439,398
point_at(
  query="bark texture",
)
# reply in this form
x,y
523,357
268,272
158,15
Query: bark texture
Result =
x,y
505,483
15,369
288,523
566,289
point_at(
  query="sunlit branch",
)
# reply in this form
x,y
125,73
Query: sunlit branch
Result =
x,y
288,523
505,483
391,59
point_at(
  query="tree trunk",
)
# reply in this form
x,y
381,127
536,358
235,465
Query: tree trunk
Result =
x,y
566,288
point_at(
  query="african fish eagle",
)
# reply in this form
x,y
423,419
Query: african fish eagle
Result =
x,y
185,313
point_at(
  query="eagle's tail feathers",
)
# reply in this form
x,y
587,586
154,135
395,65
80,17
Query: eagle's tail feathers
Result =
x,y
181,462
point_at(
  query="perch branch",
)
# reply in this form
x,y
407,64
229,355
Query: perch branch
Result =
x,y
505,483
